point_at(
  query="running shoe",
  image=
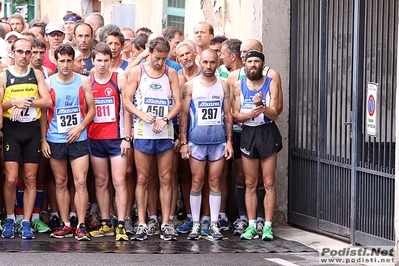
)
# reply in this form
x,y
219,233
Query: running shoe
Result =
x,y
55,223
62,231
214,232
1,227
205,227
81,233
195,232
18,226
153,227
223,224
39,226
176,221
74,222
104,230
129,226
186,227
250,233
141,233
94,221
239,227
167,233
26,231
121,233
267,233
9,229
114,220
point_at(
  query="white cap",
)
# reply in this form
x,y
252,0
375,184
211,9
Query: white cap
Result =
x,y
13,33
54,26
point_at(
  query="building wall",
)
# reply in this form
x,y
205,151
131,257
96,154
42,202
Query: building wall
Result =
x,y
54,11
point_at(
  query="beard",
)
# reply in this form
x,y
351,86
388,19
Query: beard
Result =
x,y
254,75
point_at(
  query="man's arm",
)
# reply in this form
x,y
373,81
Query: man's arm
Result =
x,y
143,55
228,120
276,102
127,118
276,77
185,119
43,128
74,133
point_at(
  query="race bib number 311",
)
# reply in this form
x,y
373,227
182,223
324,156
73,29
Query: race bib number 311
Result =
x,y
67,118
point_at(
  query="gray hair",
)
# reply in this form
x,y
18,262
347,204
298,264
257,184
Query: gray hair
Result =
x,y
180,44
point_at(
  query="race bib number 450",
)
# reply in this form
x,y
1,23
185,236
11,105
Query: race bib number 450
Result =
x,y
67,118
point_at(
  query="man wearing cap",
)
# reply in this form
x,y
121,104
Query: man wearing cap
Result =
x,y
9,39
257,103
55,36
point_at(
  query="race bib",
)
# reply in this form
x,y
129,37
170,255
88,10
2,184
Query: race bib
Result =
x,y
157,106
246,108
209,113
67,118
28,115
105,110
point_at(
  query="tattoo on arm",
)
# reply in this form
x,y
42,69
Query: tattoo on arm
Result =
x,y
229,128
234,96
185,89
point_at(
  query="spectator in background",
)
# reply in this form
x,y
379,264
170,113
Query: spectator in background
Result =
x,y
17,22
38,27
55,35
27,34
70,20
96,21
144,30
174,35
216,45
83,38
127,53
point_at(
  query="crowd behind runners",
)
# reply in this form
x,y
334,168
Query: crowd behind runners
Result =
x,y
107,130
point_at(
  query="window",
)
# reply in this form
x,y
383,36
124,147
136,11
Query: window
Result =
x,y
175,11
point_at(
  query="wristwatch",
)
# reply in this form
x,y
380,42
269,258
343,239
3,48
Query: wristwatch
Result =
x,y
165,119
128,139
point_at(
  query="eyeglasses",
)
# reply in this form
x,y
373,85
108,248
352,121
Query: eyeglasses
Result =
x,y
38,52
22,51
56,33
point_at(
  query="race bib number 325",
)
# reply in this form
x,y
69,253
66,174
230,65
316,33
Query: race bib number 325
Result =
x,y
67,118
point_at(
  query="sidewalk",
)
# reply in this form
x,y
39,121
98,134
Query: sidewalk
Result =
x,y
308,238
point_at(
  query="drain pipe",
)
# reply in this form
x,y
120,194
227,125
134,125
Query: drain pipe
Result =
x,y
397,166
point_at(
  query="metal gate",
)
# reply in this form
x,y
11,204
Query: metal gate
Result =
x,y
341,180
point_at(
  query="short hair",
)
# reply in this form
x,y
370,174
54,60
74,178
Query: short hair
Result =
x,y
128,29
64,49
36,42
218,39
27,33
40,24
144,29
233,46
180,44
160,44
17,16
107,28
140,41
115,33
97,18
18,40
211,30
83,23
101,48
170,32
70,14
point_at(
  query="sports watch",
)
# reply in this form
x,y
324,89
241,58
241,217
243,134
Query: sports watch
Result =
x,y
128,139
165,119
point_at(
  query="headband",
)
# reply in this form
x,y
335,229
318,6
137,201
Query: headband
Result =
x,y
71,19
254,53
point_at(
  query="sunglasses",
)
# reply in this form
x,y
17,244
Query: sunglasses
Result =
x,y
56,33
22,51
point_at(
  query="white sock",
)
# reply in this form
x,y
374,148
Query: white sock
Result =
x,y
268,223
71,214
11,216
171,217
195,203
19,217
154,217
35,216
205,218
215,199
54,214
222,215
243,218
253,222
